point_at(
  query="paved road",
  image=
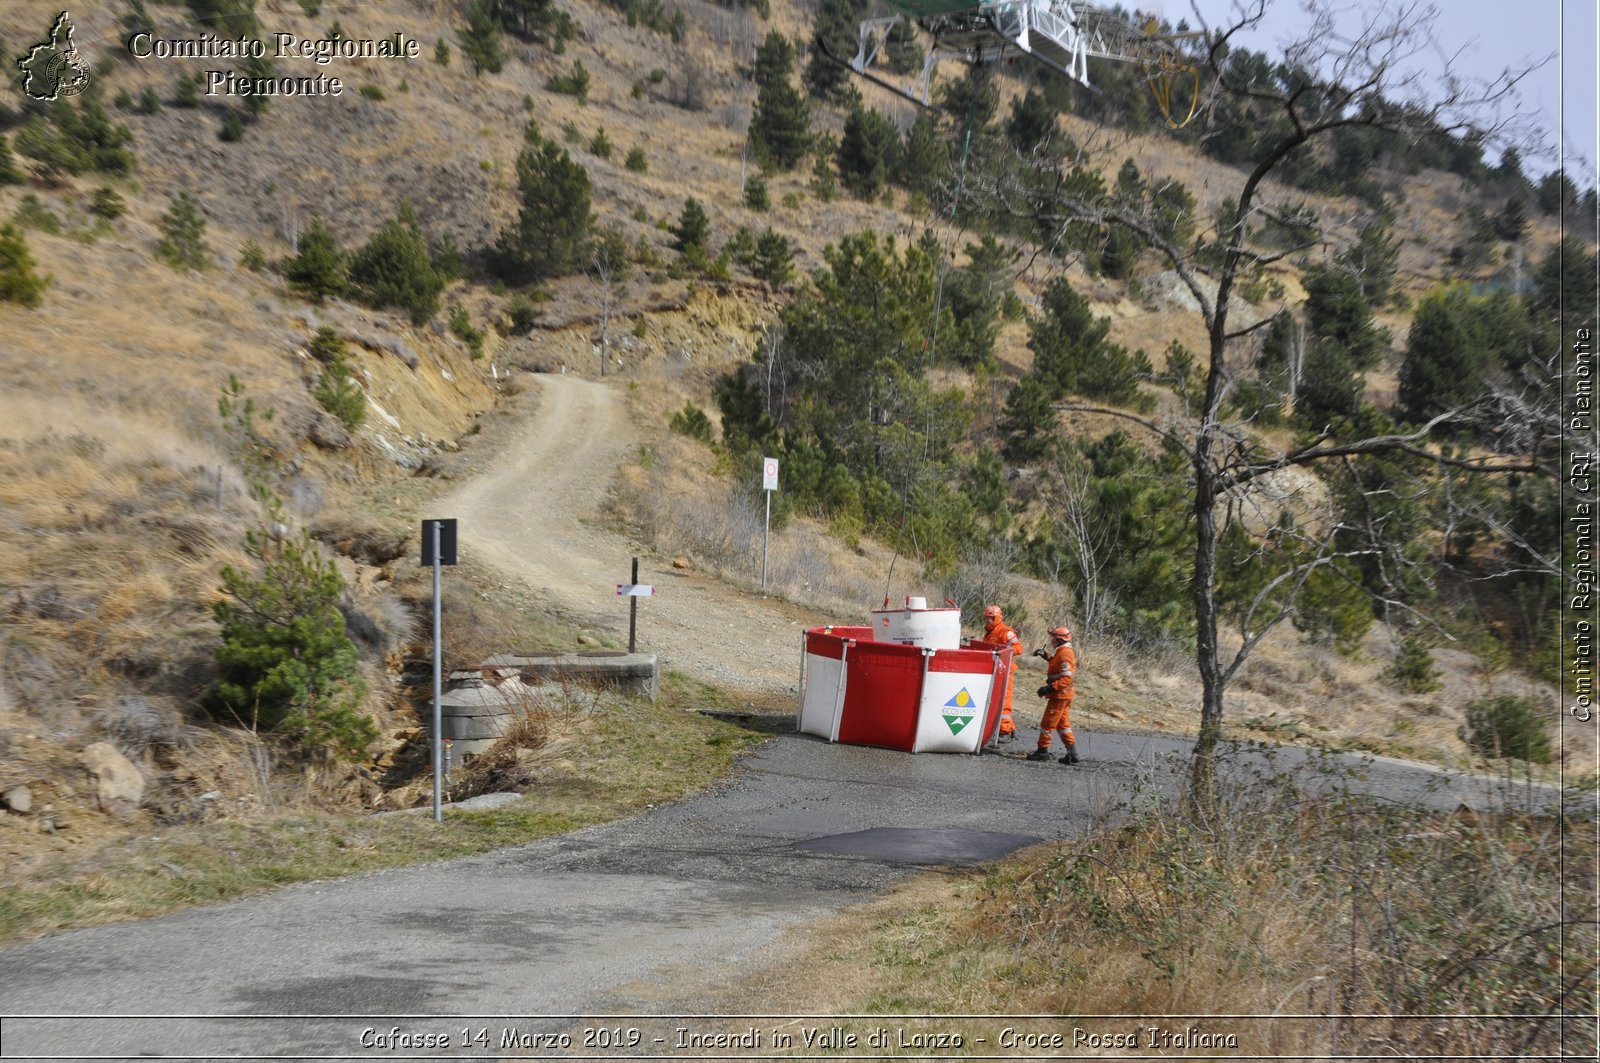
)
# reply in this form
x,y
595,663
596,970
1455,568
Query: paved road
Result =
x,y
611,920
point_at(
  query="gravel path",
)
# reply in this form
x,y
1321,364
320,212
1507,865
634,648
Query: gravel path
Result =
x,y
535,516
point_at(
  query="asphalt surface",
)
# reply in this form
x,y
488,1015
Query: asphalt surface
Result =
x,y
601,922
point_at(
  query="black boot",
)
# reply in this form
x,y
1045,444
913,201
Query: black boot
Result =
x,y
1039,754
1071,756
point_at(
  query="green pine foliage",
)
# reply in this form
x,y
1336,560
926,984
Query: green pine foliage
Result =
x,y
395,269
1032,125
755,193
925,158
480,39
780,128
1445,358
186,91
554,216
287,665
691,421
1413,670
539,21
183,236
574,82
318,269
1122,534
107,203
1459,344
693,231
636,162
824,181
851,393
253,257
1072,355
19,280
76,139
336,390
773,259
836,25
9,173
869,153
462,328
974,295
1506,726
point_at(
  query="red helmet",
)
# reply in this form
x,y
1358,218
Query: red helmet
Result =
x,y
1064,634
992,612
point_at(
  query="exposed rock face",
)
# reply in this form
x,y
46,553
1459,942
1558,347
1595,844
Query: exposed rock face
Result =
x,y
119,785
18,799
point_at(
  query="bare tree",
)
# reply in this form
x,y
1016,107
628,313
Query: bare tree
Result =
x,y
1374,78
1089,543
606,271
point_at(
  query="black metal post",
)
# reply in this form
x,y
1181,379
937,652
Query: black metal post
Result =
x,y
633,606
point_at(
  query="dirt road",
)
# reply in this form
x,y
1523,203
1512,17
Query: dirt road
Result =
x,y
535,516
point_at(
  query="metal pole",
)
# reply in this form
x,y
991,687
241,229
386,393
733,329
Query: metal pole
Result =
x,y
438,685
766,527
633,607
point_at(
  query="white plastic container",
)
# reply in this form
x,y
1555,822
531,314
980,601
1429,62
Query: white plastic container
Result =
x,y
917,625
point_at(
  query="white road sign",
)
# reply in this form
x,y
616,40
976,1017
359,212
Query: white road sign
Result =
x,y
635,590
769,474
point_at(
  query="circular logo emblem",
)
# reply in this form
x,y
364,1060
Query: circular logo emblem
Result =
x,y
67,74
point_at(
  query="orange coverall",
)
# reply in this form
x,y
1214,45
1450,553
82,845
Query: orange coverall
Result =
x,y
1058,709
1002,634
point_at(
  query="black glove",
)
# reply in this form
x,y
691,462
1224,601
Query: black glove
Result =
x,y
1044,691
1043,656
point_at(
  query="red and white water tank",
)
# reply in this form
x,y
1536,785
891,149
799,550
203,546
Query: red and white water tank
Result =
x,y
904,682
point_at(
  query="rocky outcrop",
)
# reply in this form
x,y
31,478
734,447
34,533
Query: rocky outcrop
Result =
x,y
119,785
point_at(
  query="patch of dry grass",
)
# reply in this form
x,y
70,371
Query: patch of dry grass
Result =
x,y
1312,914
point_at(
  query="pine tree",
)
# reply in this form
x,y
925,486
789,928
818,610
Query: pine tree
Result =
x,y
183,239
780,129
774,59
395,269
869,152
1337,310
774,259
286,663
554,218
1445,358
1028,417
925,157
1072,354
836,26
693,229
1373,260
18,281
1032,122
319,268
336,391
480,38
9,174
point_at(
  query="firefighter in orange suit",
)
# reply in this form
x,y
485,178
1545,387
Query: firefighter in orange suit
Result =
x,y
998,632
1062,663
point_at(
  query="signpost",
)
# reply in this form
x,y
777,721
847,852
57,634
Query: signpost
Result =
x,y
633,591
438,548
769,484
